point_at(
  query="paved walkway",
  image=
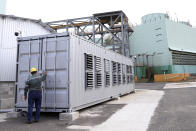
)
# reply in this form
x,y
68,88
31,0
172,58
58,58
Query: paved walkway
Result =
x,y
136,115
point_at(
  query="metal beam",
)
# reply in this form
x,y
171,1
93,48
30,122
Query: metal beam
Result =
x,y
97,26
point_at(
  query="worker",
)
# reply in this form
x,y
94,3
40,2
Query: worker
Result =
x,y
34,90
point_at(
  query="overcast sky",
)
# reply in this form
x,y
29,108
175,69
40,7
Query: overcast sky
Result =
x,y
49,10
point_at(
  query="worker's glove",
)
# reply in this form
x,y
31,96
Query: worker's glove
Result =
x,y
44,73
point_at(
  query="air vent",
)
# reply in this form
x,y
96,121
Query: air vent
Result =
x,y
107,72
89,62
119,73
89,80
98,70
114,73
123,73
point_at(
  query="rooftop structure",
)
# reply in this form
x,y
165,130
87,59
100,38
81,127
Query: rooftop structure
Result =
x,y
109,29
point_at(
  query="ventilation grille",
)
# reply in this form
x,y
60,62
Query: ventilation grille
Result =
x,y
119,73
102,72
89,71
129,74
114,68
89,62
107,65
124,79
114,80
114,73
123,73
128,79
128,69
98,64
183,58
89,80
98,80
98,71
107,72
107,76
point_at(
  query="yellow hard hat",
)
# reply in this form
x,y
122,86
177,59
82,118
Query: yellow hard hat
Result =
x,y
33,70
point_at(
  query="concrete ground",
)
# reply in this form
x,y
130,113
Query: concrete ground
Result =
x,y
154,107
177,109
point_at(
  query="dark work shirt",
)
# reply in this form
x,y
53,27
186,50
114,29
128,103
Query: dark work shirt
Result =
x,y
34,83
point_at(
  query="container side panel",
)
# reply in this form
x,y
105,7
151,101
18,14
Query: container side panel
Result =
x,y
80,95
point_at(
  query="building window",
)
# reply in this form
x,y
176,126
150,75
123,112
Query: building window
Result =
x,y
89,71
98,76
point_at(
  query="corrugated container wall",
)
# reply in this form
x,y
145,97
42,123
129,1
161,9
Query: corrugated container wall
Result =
x,y
8,42
79,72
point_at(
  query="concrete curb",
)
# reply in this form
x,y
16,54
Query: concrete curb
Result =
x,y
68,117
13,114
6,110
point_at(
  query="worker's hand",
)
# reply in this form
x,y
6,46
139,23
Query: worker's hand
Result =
x,y
44,73
25,97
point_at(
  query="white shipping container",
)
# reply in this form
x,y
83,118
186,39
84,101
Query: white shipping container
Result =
x,y
79,72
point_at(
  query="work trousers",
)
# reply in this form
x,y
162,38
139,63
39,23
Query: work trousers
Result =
x,y
35,97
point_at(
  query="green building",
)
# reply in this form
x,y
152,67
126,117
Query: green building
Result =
x,y
163,46
2,6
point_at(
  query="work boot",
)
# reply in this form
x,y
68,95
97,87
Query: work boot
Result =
x,y
36,121
29,122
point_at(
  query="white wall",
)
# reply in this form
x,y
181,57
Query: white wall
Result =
x,y
181,37
151,38
8,43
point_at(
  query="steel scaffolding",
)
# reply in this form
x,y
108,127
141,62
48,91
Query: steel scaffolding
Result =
x,y
110,29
